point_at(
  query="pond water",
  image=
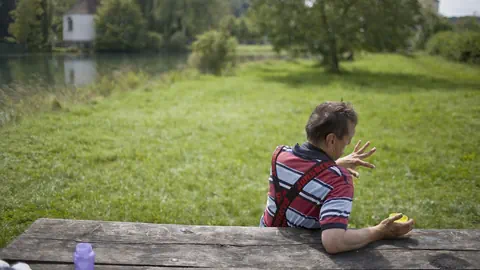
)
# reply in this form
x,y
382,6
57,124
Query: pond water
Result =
x,y
60,70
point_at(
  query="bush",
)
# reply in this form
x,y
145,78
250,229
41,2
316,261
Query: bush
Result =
x,y
214,52
177,42
154,41
120,26
463,47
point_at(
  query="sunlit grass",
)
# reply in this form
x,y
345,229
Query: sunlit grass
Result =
x,y
197,150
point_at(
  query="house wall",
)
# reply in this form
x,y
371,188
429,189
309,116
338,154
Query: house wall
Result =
x,y
83,28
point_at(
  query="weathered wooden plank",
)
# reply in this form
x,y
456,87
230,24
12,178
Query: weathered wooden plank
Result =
x,y
137,233
36,266
223,256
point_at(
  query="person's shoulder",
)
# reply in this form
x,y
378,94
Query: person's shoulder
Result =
x,y
336,176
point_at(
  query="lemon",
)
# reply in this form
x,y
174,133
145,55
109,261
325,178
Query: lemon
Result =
x,y
404,218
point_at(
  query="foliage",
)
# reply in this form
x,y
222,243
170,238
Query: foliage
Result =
x,y
197,151
214,52
39,23
432,23
189,17
457,46
241,28
229,25
388,25
467,23
330,27
120,26
154,41
177,42
29,24
57,11
239,7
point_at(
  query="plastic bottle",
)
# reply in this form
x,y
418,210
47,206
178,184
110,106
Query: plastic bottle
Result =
x,y
84,257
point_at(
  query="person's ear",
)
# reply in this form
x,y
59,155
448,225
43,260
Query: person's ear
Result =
x,y
330,139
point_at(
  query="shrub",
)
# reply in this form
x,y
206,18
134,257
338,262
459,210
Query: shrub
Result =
x,y
154,41
177,42
463,46
214,52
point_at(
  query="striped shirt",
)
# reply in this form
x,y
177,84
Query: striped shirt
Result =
x,y
324,203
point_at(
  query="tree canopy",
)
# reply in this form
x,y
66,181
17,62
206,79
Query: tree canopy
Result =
x,y
179,21
30,26
120,26
330,27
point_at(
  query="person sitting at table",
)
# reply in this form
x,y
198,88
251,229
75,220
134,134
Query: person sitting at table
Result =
x,y
311,185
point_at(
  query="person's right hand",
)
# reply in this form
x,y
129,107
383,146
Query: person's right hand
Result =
x,y
388,228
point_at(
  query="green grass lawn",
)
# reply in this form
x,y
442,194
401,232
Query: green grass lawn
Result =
x,y
253,50
198,151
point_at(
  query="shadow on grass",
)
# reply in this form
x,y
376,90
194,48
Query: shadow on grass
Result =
x,y
381,82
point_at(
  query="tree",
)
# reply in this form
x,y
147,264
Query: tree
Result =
x,y
120,26
37,23
148,8
239,7
189,17
30,24
58,8
431,24
467,23
389,25
330,27
229,25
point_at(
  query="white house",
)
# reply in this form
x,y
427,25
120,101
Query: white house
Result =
x,y
78,23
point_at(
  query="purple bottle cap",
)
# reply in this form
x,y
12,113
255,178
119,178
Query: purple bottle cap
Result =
x,y
83,249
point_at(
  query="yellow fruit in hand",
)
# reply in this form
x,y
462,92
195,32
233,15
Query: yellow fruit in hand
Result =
x,y
404,218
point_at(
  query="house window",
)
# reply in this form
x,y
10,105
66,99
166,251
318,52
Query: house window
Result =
x,y
70,24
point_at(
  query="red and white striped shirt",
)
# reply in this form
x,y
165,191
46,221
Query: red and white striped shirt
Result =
x,y
324,203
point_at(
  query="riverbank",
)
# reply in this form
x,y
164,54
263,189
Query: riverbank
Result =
x,y
196,150
31,83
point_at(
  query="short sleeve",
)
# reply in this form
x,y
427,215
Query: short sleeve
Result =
x,y
337,206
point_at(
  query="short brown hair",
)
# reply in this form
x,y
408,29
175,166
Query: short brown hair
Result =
x,y
330,117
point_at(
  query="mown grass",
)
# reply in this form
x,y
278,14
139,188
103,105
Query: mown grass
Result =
x,y
197,151
253,50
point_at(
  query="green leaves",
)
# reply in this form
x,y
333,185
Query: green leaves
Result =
x,y
214,52
456,46
331,27
26,28
120,26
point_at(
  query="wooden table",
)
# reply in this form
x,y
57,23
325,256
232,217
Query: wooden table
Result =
x,y
49,244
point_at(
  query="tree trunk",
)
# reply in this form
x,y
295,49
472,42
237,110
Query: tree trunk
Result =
x,y
45,23
332,57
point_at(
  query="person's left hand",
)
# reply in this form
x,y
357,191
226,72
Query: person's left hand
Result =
x,y
350,162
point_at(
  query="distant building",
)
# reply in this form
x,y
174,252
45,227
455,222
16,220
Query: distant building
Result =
x,y
432,5
78,23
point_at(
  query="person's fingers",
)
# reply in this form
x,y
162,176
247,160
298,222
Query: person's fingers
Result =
x,y
357,146
396,217
406,227
369,153
363,148
354,173
362,163
410,224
